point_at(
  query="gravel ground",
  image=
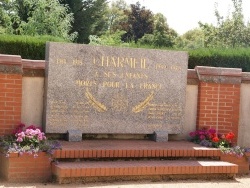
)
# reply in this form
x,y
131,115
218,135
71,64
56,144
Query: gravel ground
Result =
x,y
239,182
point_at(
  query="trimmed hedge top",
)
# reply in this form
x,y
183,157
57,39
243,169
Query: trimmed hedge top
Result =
x,y
230,58
29,47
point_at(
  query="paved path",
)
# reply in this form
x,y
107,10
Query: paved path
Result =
x,y
239,182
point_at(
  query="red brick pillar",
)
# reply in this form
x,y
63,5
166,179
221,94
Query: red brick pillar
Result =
x,y
219,99
10,92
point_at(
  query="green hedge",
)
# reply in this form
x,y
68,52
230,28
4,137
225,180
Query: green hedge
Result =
x,y
34,48
230,58
28,47
215,57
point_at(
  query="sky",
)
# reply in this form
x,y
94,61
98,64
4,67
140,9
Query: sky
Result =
x,y
184,15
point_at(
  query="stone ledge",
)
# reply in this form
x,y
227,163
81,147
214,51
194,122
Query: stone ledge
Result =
x,y
33,64
10,59
10,64
246,77
33,68
219,75
192,77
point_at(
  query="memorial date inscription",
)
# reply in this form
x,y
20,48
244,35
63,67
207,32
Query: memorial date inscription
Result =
x,y
97,89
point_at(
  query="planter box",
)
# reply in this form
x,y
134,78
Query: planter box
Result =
x,y
247,154
25,168
242,162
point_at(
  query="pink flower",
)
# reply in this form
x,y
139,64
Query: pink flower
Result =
x,y
223,136
28,131
19,139
40,137
202,137
37,131
32,132
21,134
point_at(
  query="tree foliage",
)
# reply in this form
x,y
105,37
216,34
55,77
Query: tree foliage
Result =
x,y
163,35
5,20
89,17
109,39
192,39
140,22
116,15
103,20
41,17
229,32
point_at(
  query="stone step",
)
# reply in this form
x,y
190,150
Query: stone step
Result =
x,y
89,169
132,149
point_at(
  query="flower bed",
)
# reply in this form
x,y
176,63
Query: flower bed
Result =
x,y
230,152
210,138
26,155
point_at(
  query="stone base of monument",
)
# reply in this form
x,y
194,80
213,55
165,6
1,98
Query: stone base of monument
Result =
x,y
74,135
160,136
114,160
77,136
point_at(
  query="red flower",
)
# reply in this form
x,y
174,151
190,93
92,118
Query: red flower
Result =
x,y
212,135
33,127
215,139
18,129
230,136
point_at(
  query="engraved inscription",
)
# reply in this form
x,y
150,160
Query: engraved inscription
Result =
x,y
171,113
61,61
94,102
79,112
121,62
97,89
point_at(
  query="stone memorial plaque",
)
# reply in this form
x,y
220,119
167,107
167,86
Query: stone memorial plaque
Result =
x,y
111,90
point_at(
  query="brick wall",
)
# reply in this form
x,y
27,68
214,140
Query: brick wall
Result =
x,y
219,99
10,92
217,106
